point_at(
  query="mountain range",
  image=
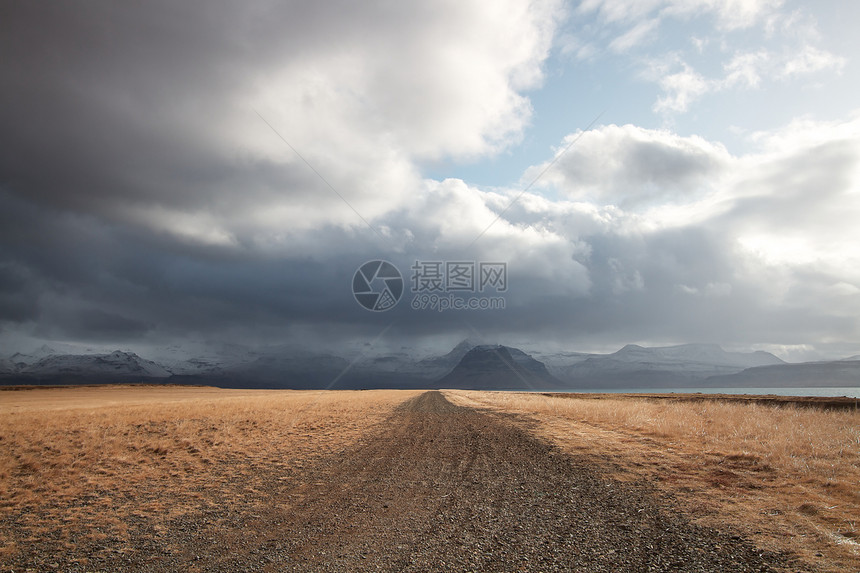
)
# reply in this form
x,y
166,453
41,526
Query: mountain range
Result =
x,y
636,366
42,367
469,365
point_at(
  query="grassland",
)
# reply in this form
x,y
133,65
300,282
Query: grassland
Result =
x,y
81,466
786,476
94,467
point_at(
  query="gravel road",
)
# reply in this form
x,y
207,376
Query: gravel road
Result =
x,y
446,488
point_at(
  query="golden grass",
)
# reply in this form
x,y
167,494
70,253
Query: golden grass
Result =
x,y
95,459
95,463
787,476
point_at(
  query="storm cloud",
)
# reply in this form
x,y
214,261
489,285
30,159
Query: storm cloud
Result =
x,y
220,170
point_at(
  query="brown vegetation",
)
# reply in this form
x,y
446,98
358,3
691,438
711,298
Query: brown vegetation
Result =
x,y
107,474
83,465
785,475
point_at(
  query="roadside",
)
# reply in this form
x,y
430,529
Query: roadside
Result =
x,y
784,475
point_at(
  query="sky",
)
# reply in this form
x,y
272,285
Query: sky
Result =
x,y
648,171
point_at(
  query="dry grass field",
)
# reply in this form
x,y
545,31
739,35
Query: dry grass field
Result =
x,y
92,471
787,477
82,466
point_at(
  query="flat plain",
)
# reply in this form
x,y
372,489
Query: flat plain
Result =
x,y
194,478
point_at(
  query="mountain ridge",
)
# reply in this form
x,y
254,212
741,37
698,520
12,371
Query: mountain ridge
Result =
x,y
489,366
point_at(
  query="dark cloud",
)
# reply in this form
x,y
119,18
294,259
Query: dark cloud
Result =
x,y
18,298
142,198
96,324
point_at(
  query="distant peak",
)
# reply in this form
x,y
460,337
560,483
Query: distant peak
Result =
x,y
487,347
689,347
44,350
468,344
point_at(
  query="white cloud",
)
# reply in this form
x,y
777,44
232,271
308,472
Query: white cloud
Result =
x,y
745,69
805,131
364,93
634,36
730,14
842,288
712,289
699,43
761,246
624,279
733,14
811,60
636,167
619,10
797,25
749,69
681,89
784,213
787,45
572,46
433,85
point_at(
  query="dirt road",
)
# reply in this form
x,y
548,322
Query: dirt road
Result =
x,y
443,488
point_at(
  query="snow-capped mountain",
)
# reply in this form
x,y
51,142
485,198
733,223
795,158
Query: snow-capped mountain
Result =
x,y
440,365
55,348
7,366
114,367
117,363
199,358
705,354
22,359
635,366
467,365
